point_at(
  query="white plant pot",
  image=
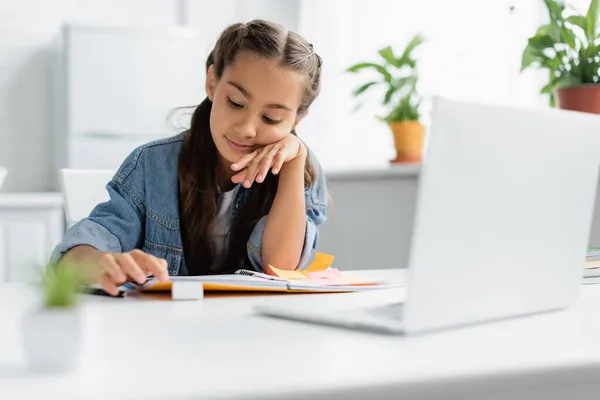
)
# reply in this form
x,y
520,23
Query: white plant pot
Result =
x,y
52,339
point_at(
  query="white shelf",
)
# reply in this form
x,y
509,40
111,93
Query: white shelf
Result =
x,y
31,200
396,170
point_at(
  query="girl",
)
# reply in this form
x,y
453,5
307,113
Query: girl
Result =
x,y
237,190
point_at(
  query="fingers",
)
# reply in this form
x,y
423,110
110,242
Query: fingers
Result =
x,y
151,265
252,168
108,285
258,166
266,163
245,160
131,268
112,269
278,161
110,276
239,177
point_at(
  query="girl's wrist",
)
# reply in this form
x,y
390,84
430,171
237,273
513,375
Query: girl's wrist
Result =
x,y
302,151
296,163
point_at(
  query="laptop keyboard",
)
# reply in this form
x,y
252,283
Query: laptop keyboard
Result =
x,y
393,311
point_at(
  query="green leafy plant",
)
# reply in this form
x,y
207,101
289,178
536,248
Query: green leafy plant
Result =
x,y
60,286
398,74
567,47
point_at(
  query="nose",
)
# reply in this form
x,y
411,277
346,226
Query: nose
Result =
x,y
245,127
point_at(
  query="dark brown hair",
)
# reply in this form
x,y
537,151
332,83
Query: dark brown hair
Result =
x,y
199,178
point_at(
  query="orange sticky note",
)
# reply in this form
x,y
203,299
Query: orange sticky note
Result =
x,y
286,274
321,262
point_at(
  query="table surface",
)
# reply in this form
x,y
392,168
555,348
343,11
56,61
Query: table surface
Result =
x,y
152,347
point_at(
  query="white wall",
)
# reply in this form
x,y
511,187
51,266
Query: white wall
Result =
x,y
581,6
213,16
472,51
27,31
27,28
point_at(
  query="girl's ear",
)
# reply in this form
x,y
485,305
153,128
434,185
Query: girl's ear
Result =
x,y
211,82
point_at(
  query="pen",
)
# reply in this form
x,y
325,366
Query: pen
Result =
x,y
101,292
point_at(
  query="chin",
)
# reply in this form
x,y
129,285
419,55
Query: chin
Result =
x,y
224,153
230,156
227,156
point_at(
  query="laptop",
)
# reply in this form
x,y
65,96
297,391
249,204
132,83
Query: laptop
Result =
x,y
503,215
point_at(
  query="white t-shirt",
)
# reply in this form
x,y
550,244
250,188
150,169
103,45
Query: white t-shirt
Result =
x,y
221,227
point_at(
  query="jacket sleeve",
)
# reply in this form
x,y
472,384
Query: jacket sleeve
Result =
x,y
117,224
315,198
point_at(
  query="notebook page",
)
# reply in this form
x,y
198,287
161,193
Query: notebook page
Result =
x,y
233,279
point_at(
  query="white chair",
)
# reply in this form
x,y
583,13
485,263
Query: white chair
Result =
x,y
3,173
82,190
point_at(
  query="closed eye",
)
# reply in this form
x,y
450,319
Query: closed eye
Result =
x,y
233,104
270,121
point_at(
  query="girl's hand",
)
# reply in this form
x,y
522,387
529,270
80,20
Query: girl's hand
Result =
x,y
272,156
111,270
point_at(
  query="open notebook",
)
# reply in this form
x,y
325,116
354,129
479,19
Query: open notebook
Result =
x,y
319,277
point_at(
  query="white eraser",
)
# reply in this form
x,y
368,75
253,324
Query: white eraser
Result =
x,y
187,290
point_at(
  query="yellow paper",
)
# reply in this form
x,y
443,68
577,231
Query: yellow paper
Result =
x,y
286,274
321,262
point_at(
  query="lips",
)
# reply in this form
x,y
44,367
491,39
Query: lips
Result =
x,y
241,148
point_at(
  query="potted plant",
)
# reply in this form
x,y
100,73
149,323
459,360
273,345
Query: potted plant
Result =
x,y
52,332
568,47
398,76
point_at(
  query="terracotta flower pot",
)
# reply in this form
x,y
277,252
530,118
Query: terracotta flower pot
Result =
x,y
584,98
408,141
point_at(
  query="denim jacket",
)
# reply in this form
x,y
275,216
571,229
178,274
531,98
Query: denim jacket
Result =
x,y
143,211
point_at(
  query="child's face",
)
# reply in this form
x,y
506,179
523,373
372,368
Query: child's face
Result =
x,y
254,104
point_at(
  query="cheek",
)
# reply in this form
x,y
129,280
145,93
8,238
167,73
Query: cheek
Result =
x,y
218,118
274,133
270,134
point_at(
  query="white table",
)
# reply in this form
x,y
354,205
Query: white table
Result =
x,y
218,348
